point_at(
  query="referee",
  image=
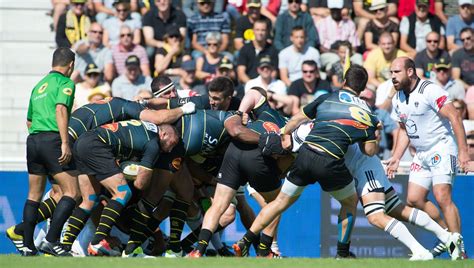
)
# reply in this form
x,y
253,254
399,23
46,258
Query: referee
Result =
x,y
48,151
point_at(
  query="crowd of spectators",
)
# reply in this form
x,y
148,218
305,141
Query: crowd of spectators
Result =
x,y
295,49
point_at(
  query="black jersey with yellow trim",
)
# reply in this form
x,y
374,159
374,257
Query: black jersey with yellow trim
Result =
x,y
203,132
132,138
201,102
102,112
340,119
266,119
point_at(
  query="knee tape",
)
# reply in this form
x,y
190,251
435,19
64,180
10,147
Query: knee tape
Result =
x,y
374,207
128,194
392,203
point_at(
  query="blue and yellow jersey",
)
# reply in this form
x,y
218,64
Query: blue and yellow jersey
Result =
x,y
340,119
132,138
203,132
102,112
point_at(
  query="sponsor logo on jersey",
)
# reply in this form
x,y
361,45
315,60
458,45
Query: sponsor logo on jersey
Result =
x,y
271,127
415,167
416,104
435,160
352,123
176,163
42,88
112,127
182,101
67,91
440,101
411,127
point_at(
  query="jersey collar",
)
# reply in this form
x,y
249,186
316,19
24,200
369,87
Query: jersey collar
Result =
x,y
56,72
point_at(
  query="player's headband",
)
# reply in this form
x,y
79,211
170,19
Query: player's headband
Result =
x,y
163,90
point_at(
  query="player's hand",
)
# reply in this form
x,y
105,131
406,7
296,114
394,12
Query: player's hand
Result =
x,y
463,159
245,119
66,154
391,167
188,108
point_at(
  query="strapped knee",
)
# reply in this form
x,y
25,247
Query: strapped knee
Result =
x,y
392,203
374,207
125,189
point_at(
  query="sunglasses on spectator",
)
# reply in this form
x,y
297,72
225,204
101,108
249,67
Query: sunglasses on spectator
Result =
x,y
294,1
175,36
79,4
444,70
432,41
97,32
466,39
309,71
122,10
466,6
205,3
380,10
127,35
212,44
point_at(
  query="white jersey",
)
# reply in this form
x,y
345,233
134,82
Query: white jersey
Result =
x,y
419,112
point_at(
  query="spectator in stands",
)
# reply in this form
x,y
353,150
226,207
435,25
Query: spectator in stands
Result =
x,y
285,5
105,9
336,73
455,88
291,58
72,25
436,7
156,21
270,9
414,28
207,21
226,69
432,54
96,95
126,48
92,50
463,60
59,8
188,80
457,22
169,57
363,14
379,24
244,32
319,9
122,17
308,88
251,53
127,85
379,60
334,28
91,83
206,64
291,18
266,81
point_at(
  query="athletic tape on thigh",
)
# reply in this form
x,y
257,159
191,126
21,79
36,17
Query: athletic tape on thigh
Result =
x,y
392,203
128,194
374,207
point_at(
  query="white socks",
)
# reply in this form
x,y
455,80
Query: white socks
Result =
x,y
422,219
401,233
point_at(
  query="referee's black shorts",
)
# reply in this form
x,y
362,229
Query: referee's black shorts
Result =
x,y
42,152
94,157
311,166
243,162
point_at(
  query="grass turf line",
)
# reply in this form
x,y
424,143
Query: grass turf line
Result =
x,y
10,261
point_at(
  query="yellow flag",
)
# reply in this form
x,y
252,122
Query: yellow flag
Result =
x,y
347,62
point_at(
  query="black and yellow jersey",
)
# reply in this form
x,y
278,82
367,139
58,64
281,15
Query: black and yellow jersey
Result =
x,y
266,119
340,119
102,112
132,138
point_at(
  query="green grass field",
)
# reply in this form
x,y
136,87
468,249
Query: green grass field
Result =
x,y
7,261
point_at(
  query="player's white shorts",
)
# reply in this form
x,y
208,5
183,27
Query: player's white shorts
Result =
x,y
436,165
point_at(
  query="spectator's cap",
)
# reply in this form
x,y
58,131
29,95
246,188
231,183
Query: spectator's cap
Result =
x,y
442,64
92,69
96,91
225,63
254,3
132,61
116,2
265,61
173,30
465,2
205,1
336,4
378,4
423,3
78,1
189,65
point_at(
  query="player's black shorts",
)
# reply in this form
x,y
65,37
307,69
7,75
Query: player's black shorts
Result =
x,y
243,162
94,157
42,153
311,166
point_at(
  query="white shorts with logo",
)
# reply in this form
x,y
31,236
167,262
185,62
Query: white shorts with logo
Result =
x,y
436,165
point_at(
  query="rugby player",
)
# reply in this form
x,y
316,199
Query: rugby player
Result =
x,y
431,124
341,119
48,152
381,202
242,163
